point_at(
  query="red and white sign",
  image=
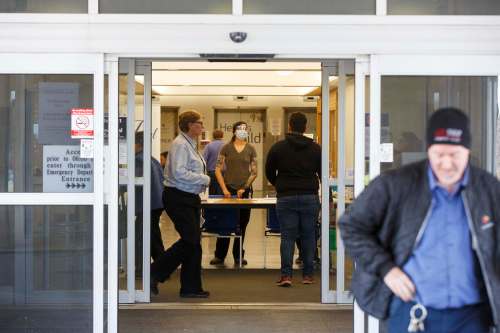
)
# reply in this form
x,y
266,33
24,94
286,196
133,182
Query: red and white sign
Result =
x,y
82,123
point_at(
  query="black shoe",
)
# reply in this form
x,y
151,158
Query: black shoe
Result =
x,y
216,261
243,262
153,286
197,294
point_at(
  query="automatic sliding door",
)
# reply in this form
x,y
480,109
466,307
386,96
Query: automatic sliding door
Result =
x,y
338,140
134,185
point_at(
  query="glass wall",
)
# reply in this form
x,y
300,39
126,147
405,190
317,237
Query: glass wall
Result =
x,y
44,6
325,7
166,6
408,101
46,258
497,140
37,153
443,7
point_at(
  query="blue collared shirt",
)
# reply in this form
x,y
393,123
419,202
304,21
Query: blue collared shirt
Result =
x,y
211,153
443,265
186,168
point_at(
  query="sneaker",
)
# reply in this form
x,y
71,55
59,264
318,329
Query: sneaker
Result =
x,y
197,294
284,281
217,261
307,279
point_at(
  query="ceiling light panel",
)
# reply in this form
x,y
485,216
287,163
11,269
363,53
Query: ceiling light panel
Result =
x,y
204,65
231,91
237,78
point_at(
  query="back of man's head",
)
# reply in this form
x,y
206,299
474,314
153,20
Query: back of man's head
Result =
x,y
218,134
298,122
139,138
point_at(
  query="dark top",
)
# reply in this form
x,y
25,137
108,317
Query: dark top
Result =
x,y
293,165
238,164
381,227
156,183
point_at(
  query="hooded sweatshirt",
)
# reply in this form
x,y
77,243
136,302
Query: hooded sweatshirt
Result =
x,y
293,165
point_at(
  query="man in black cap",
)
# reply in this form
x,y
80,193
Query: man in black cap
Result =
x,y
426,239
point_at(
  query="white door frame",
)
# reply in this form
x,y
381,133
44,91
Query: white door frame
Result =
x,y
132,67
92,64
417,65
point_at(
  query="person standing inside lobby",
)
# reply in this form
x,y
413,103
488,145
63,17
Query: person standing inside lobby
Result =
x,y
425,238
238,159
185,179
156,204
210,154
293,167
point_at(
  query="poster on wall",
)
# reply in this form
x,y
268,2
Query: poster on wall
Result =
x,y
55,101
64,171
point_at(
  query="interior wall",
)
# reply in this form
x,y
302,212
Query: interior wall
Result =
x,y
206,105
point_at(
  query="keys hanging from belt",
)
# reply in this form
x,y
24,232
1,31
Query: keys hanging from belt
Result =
x,y
417,319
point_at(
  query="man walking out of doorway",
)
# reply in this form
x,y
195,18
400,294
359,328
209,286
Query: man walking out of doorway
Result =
x,y
425,239
293,166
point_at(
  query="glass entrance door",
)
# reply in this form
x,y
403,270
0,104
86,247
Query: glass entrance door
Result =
x,y
406,90
134,159
51,200
342,101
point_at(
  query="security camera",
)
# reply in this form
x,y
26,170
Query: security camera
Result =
x,y
238,36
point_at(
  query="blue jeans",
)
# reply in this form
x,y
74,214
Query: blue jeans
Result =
x,y
467,319
297,215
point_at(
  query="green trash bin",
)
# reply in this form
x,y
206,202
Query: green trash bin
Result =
x,y
333,239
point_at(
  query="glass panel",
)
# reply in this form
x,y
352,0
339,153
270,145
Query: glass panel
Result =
x,y
348,97
443,7
325,7
497,159
37,153
408,101
166,6
46,258
44,6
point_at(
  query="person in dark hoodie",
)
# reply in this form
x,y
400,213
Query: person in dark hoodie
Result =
x,y
293,166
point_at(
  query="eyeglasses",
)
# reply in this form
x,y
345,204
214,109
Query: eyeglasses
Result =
x,y
198,122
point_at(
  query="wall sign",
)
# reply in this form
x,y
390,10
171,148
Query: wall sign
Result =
x,y
65,171
55,100
82,123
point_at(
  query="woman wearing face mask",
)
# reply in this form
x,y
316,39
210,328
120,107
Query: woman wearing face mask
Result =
x,y
240,161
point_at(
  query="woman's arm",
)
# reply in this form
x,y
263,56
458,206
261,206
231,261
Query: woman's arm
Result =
x,y
218,174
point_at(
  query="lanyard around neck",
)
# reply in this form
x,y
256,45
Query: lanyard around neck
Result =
x,y
197,153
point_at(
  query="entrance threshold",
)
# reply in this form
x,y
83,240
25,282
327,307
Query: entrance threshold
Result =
x,y
236,306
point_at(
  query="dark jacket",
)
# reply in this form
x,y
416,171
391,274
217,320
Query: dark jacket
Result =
x,y
293,165
380,230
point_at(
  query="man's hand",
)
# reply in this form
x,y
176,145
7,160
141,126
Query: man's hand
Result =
x,y
400,284
227,194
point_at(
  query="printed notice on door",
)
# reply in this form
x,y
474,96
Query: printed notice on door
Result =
x,y
65,171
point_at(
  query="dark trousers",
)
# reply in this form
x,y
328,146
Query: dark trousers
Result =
x,y
467,319
214,188
297,215
222,245
184,210
155,239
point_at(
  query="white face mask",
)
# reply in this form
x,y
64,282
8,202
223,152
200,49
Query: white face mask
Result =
x,y
241,134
